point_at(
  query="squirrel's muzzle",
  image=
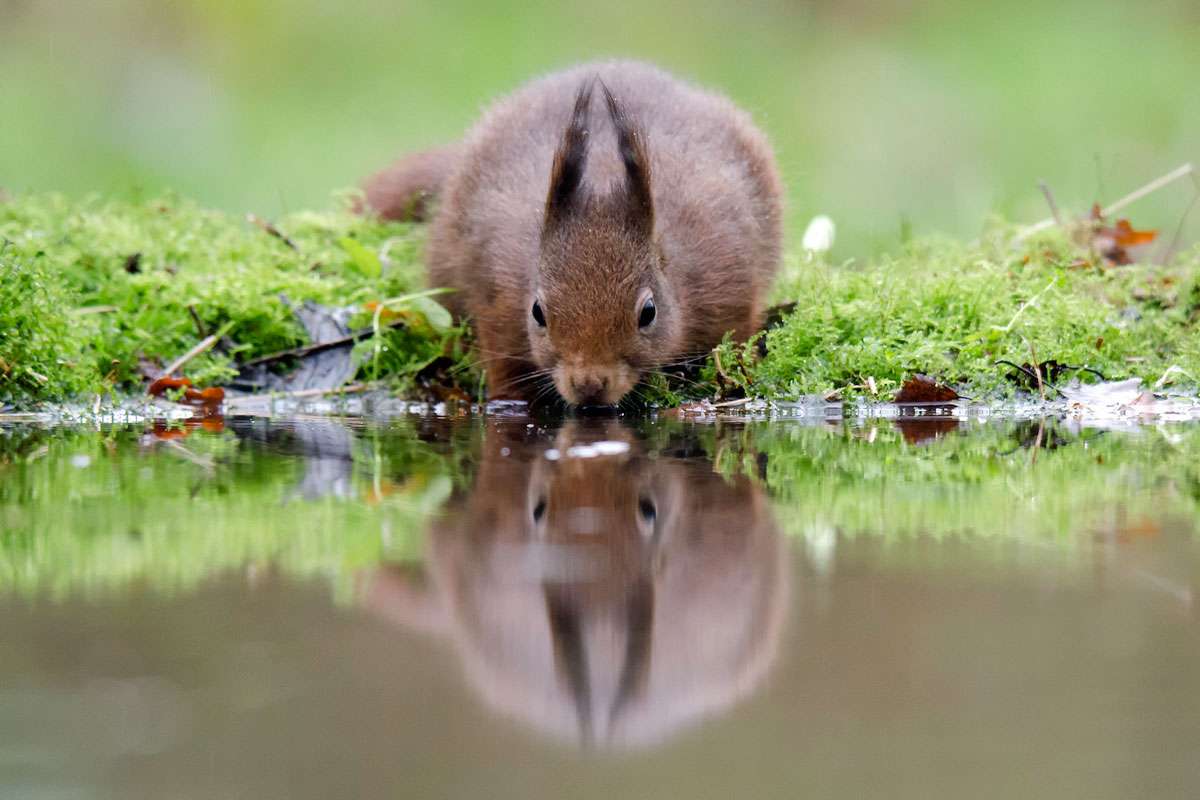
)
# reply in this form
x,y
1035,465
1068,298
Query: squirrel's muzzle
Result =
x,y
594,386
590,391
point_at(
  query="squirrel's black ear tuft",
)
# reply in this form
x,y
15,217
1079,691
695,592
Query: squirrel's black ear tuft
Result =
x,y
567,172
632,146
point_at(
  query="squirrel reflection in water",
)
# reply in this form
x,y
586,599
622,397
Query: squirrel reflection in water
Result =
x,y
610,596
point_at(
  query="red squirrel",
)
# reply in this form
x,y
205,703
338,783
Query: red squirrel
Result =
x,y
597,225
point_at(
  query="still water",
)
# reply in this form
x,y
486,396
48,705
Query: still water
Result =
x,y
509,607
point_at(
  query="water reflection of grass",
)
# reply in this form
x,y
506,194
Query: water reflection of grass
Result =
x,y
83,512
997,480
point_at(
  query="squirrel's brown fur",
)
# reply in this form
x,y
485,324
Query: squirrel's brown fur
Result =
x,y
407,188
589,192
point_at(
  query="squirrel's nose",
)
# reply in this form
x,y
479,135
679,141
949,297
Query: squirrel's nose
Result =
x,y
590,390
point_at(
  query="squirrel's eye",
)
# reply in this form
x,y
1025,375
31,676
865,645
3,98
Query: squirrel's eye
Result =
x,y
538,316
647,509
647,314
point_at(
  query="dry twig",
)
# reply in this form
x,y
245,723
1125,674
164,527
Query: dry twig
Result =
x,y
270,228
1181,171
178,363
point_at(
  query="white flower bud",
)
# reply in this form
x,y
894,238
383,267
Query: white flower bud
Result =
x,y
819,235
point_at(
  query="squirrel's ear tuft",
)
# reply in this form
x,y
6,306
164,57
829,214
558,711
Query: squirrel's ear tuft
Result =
x,y
567,172
632,146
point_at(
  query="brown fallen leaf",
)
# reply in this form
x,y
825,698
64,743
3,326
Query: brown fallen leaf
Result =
x,y
212,396
1113,241
924,389
1126,236
209,398
162,385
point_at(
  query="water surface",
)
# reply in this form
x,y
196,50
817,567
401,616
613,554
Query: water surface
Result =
x,y
509,607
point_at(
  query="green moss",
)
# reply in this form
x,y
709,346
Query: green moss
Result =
x,y
151,279
41,341
95,287
952,310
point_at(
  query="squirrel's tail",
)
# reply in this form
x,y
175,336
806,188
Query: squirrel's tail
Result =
x,y
406,189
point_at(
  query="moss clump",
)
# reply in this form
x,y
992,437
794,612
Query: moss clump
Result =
x,y
99,287
41,341
952,310
86,512
149,280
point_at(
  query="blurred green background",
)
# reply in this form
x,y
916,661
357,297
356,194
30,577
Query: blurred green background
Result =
x,y
889,116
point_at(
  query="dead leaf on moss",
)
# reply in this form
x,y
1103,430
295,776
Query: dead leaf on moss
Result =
x,y
209,398
212,396
163,385
325,364
924,389
1113,241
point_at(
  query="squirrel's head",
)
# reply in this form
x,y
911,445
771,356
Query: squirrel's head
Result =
x,y
601,312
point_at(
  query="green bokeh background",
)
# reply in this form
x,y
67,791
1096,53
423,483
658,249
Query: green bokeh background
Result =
x,y
885,115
